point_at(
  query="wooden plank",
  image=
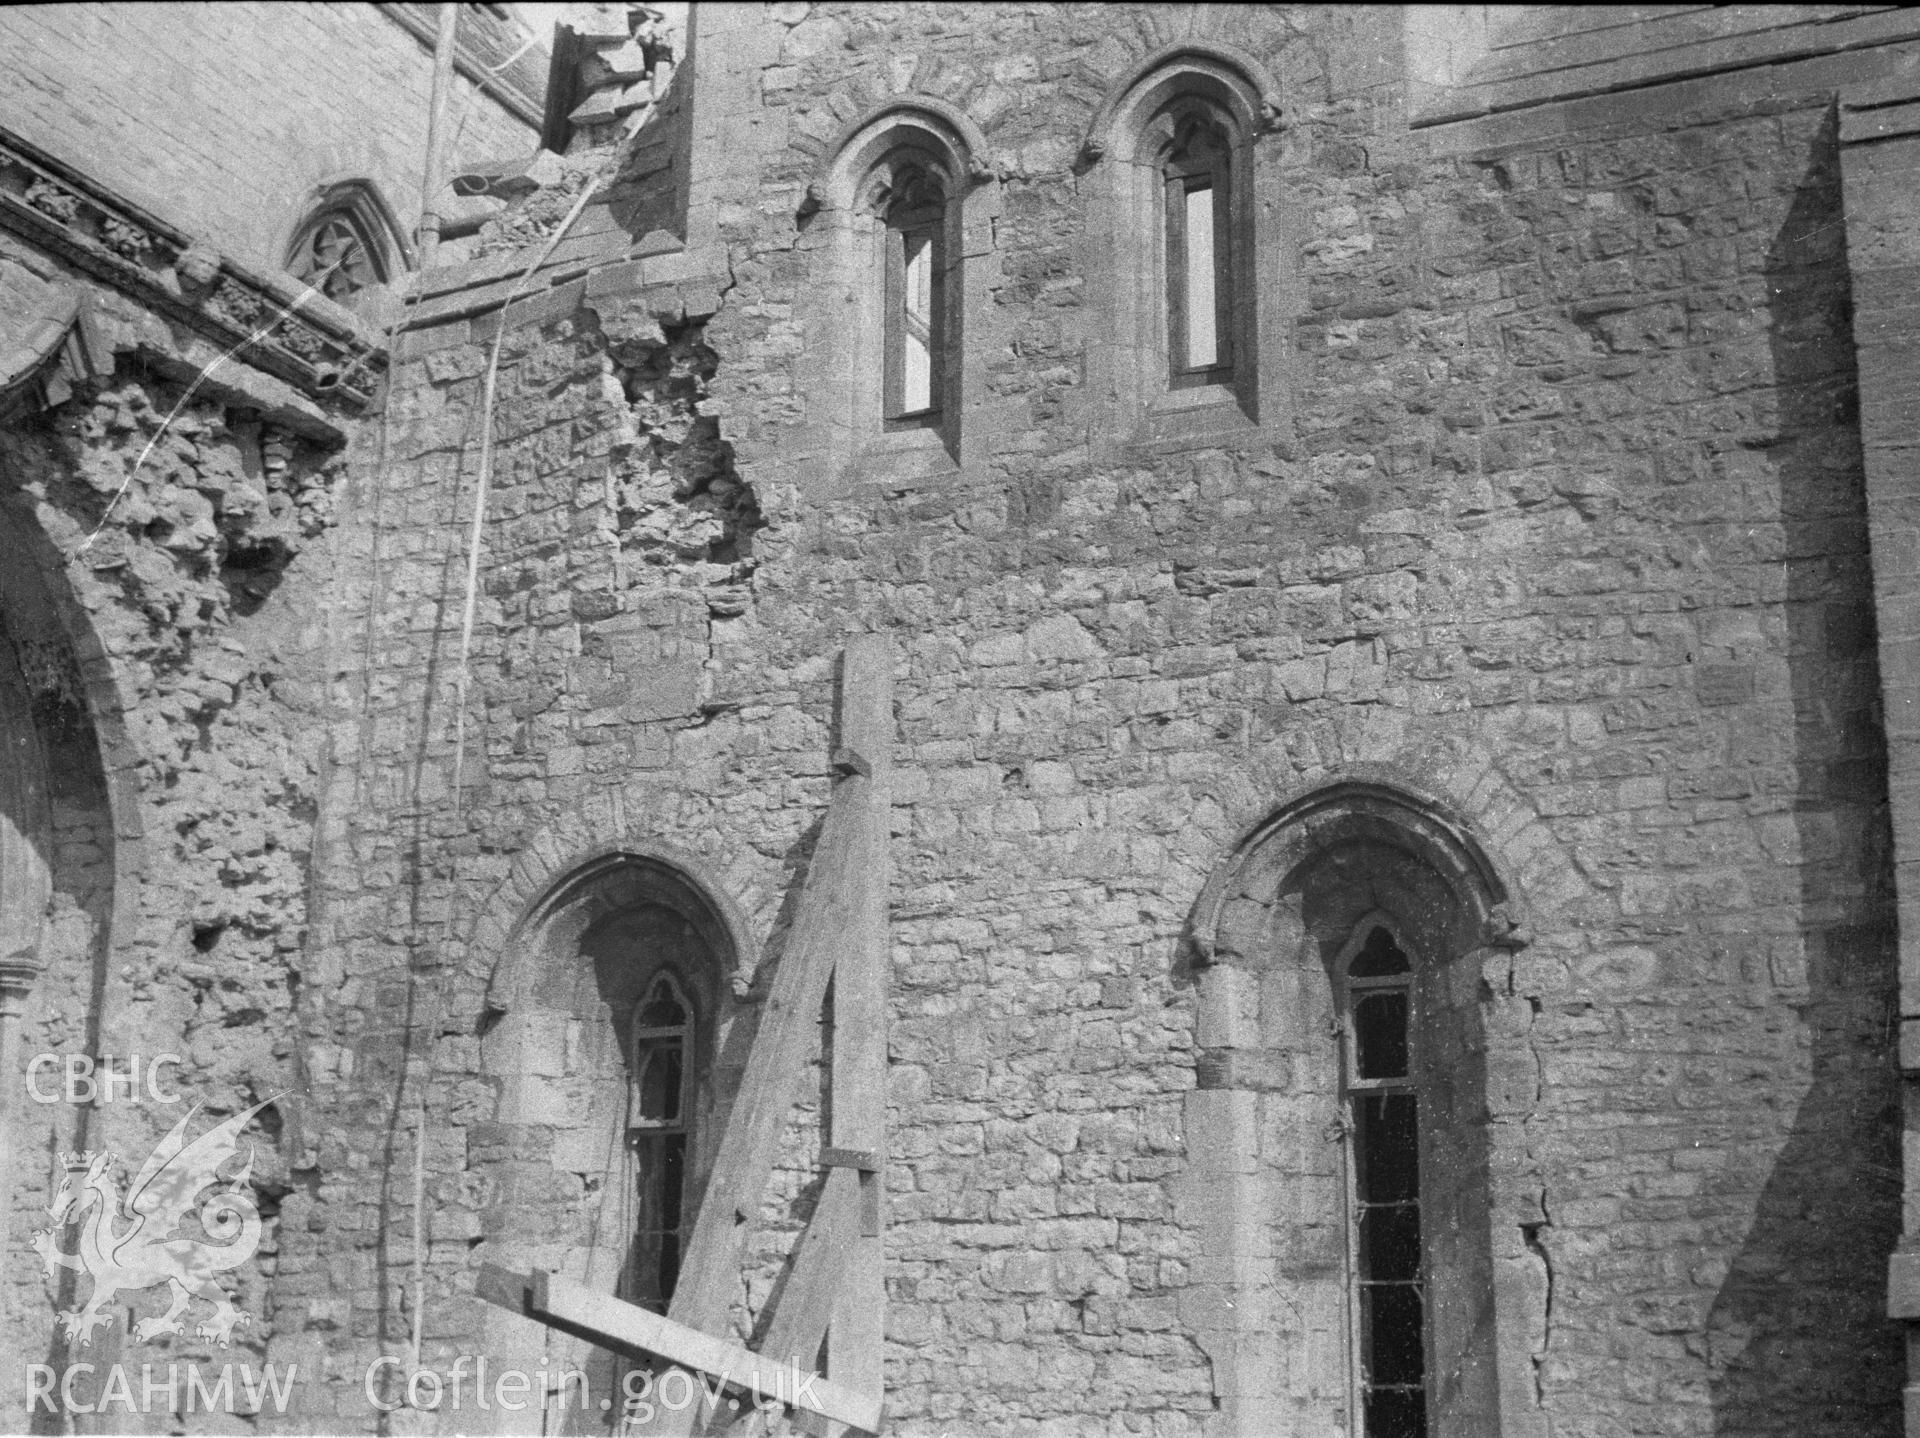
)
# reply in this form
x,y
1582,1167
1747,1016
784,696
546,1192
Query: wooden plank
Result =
x,y
806,1303
858,1076
846,882
1732,52
1883,123
1524,26
604,1319
502,1286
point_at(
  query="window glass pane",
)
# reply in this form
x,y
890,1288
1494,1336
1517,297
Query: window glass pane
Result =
x,y
1397,1414
660,1082
1203,345
1390,1243
1380,1034
916,323
654,1262
1389,1147
673,1165
1393,1348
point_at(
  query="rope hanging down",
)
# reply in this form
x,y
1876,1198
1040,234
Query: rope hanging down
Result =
x,y
485,483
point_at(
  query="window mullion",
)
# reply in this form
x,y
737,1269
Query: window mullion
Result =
x,y
937,319
1222,268
1176,267
893,321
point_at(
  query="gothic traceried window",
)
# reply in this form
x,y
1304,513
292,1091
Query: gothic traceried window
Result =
x,y
336,259
346,245
659,1050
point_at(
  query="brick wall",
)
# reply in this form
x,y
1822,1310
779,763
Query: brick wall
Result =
x,y
226,121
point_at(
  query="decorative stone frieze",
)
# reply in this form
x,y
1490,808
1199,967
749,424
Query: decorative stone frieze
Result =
x,y
267,321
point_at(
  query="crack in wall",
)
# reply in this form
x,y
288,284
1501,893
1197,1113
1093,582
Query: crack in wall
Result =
x,y
1531,1232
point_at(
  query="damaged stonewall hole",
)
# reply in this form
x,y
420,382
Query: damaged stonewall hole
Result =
x,y
889,719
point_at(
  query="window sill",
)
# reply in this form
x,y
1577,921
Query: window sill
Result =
x,y
902,459
1187,418
1193,397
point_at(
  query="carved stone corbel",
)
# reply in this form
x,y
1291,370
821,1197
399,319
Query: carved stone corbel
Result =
x,y
1507,926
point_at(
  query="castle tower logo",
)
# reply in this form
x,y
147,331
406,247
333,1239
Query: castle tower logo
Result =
x,y
146,1251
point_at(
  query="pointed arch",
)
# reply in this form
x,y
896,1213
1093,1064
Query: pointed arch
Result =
x,y
1358,921
1229,913
1225,73
605,1022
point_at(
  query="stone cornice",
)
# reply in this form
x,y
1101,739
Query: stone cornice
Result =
x,y
319,348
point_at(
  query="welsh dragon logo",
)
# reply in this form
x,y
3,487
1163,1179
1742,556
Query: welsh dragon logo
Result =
x,y
147,1252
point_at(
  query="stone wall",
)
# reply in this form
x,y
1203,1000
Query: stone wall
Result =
x,y
1561,528
1880,152
156,548
1566,530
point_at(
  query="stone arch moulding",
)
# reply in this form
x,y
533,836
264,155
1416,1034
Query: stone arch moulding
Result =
x,y
1268,1182
35,573
548,878
1226,72
372,219
1426,824
864,139
71,858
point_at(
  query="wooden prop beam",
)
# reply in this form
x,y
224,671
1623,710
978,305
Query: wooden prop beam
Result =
x,y
838,935
806,1303
602,1318
845,879
857,1078
710,1272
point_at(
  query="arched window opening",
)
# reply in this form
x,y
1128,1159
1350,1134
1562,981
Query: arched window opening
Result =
x,y
1362,924
347,245
916,281
1197,190
899,220
1187,245
613,1002
659,1049
907,195
1383,1124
